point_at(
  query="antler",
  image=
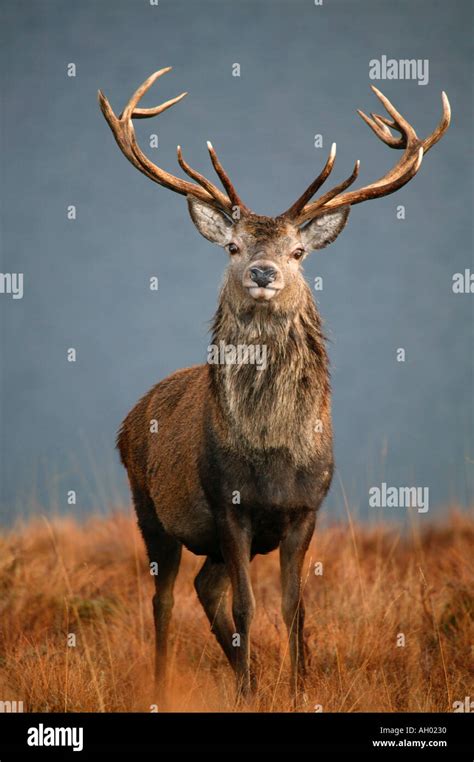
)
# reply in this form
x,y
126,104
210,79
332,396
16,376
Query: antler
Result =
x,y
399,175
124,133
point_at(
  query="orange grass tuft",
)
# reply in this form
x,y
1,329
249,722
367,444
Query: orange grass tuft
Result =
x,y
92,579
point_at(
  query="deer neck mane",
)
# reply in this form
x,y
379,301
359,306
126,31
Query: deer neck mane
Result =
x,y
275,402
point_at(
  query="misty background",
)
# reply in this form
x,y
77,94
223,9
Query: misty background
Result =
x,y
387,282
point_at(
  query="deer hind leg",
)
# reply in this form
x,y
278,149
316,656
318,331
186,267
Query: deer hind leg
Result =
x,y
236,539
164,551
292,552
212,584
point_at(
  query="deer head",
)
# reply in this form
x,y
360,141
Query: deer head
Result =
x,y
266,253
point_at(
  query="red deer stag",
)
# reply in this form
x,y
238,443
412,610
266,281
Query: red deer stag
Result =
x,y
243,455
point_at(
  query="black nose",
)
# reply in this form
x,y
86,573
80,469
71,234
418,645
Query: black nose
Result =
x,y
263,276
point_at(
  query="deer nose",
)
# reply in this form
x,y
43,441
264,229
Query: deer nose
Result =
x,y
262,276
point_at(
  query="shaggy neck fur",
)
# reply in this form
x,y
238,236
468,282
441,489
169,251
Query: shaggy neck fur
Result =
x,y
279,406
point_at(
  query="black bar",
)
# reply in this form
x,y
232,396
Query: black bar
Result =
x,y
443,734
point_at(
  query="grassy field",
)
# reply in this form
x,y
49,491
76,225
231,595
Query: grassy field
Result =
x,y
59,577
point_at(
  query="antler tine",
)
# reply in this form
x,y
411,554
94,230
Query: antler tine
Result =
x,y
193,173
225,180
124,133
308,194
404,127
398,119
387,184
388,125
122,137
380,130
395,178
384,120
443,125
129,109
309,210
145,113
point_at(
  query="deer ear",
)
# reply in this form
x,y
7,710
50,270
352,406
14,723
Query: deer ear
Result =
x,y
211,223
325,229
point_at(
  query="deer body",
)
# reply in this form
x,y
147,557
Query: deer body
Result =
x,y
241,458
228,429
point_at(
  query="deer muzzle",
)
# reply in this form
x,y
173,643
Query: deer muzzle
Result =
x,y
263,280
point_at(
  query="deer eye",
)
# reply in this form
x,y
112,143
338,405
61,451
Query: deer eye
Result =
x,y
298,253
232,248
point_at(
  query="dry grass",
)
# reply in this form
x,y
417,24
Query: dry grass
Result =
x,y
92,579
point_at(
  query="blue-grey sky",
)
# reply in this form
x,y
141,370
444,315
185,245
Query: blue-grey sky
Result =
x,y
304,69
